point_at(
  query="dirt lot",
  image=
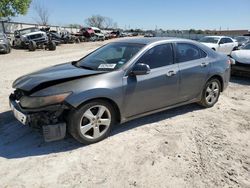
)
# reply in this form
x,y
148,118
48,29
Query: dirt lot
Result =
x,y
184,147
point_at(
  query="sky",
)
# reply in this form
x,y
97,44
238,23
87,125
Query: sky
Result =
x,y
149,14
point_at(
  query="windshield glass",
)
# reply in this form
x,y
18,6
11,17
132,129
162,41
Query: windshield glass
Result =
x,y
29,30
1,36
241,39
110,57
97,31
246,47
210,40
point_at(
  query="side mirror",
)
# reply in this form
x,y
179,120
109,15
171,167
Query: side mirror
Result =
x,y
140,69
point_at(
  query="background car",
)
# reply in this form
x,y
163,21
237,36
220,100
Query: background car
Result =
x,y
5,46
116,83
220,43
98,33
242,40
242,60
33,38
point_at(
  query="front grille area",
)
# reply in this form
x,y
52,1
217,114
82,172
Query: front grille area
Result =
x,y
35,36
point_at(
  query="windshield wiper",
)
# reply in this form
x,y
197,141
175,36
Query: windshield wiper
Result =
x,y
85,67
75,63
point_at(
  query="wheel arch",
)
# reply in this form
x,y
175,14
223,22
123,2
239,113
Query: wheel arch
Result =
x,y
218,77
110,101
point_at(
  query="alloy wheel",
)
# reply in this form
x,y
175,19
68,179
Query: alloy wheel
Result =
x,y
95,122
212,92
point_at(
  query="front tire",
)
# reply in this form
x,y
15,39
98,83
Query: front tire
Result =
x,y
32,46
52,46
92,122
211,93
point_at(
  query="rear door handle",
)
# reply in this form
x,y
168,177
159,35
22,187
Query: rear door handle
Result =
x,y
204,64
171,73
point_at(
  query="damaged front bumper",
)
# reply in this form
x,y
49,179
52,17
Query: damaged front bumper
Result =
x,y
50,119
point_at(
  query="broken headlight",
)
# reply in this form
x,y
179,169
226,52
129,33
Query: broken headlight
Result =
x,y
38,102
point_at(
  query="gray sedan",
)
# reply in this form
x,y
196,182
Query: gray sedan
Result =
x,y
116,83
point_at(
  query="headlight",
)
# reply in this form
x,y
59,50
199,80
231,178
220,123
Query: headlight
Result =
x,y
37,102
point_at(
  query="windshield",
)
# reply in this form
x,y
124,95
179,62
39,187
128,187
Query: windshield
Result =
x,y
110,57
97,31
1,36
246,47
210,40
29,30
242,39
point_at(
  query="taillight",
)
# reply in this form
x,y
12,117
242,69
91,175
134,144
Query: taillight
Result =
x,y
231,61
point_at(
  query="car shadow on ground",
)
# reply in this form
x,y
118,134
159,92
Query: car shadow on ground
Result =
x,y
17,141
240,80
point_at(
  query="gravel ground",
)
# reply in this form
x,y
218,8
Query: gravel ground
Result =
x,y
184,147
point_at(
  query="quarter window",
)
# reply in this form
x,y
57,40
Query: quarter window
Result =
x,y
187,52
158,56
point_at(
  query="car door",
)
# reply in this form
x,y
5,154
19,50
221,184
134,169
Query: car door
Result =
x,y
230,45
159,88
194,69
223,46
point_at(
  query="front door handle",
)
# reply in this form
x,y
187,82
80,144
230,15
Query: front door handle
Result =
x,y
204,64
171,73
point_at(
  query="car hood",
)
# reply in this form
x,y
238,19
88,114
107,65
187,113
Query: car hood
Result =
x,y
34,33
51,76
99,34
242,56
210,45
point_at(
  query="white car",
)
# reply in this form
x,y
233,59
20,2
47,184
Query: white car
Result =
x,y
220,44
242,60
98,33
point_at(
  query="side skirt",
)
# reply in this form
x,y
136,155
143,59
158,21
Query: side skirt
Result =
x,y
158,110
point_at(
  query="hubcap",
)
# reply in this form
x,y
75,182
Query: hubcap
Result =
x,y
212,92
95,122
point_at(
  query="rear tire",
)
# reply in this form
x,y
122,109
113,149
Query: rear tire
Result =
x,y
85,123
211,93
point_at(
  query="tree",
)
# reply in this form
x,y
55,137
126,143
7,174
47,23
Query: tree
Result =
x,y
95,21
10,8
42,13
100,22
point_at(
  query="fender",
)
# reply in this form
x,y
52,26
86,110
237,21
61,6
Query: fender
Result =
x,y
77,99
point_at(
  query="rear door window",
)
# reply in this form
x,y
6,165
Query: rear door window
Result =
x,y
188,52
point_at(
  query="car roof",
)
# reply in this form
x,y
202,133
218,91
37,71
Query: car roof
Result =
x,y
95,28
218,36
146,41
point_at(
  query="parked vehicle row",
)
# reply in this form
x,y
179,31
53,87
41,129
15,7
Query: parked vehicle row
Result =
x,y
237,48
33,38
